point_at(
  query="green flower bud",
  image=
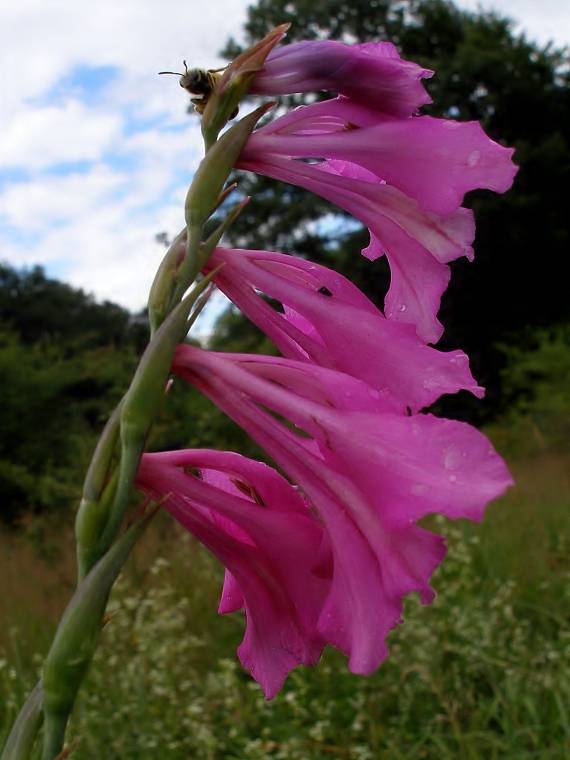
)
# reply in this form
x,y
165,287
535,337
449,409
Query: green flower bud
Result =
x,y
164,283
234,84
142,401
97,496
215,167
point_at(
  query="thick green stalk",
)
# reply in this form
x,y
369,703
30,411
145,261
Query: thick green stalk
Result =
x,y
77,637
21,740
142,403
208,246
204,194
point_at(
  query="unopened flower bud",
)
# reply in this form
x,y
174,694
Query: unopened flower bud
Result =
x,y
235,82
164,282
215,167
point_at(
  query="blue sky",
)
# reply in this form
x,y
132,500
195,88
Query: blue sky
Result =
x,y
97,150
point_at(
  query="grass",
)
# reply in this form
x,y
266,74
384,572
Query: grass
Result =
x,y
482,673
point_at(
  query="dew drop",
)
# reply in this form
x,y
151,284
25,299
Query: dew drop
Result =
x,y
473,158
402,307
452,478
452,458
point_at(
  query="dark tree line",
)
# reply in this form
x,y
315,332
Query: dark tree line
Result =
x,y
65,361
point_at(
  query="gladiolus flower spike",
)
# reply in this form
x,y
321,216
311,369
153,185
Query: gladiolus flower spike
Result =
x,y
327,556
329,560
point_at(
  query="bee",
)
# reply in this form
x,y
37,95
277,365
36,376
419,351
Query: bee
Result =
x,y
200,83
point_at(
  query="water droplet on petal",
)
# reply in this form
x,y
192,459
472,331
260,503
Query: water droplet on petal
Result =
x,y
473,158
402,307
452,478
452,458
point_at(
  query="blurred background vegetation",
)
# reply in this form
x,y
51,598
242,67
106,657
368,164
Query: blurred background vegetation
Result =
x,y
485,673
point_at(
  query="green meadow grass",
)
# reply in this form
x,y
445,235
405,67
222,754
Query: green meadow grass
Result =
x,y
484,672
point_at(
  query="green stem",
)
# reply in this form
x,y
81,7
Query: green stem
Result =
x,y
77,637
107,488
54,733
21,740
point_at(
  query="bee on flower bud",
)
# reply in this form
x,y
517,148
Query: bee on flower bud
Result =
x,y
200,83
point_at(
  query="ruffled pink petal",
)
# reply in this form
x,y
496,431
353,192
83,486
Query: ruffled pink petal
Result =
x,y
329,321
420,464
434,161
417,283
271,567
372,73
398,226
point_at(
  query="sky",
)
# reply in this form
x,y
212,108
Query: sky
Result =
x,y
97,151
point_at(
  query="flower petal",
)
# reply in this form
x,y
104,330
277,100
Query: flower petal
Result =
x,y
329,321
434,161
397,225
269,547
372,73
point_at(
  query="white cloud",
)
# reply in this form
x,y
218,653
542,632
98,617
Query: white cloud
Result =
x,y
540,21
42,41
106,251
45,201
42,137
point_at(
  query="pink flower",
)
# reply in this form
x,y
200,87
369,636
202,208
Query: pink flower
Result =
x,y
329,321
260,528
371,73
418,244
369,473
403,178
434,161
